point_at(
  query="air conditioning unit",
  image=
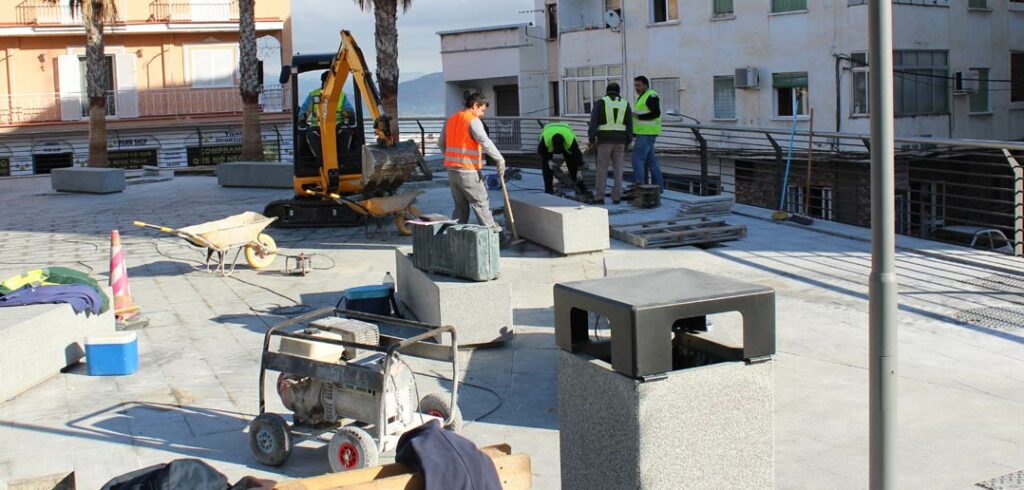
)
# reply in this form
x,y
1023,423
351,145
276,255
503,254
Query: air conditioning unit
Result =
x,y
747,78
965,82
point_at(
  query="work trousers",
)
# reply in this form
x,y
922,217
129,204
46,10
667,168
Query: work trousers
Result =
x,y
571,161
609,153
469,191
645,160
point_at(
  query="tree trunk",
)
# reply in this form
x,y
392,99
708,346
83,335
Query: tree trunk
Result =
x,y
385,14
249,87
96,84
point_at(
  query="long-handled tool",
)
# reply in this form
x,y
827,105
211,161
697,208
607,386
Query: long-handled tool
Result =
x,y
508,211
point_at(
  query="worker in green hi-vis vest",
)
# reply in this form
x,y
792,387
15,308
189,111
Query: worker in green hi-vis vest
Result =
x,y
646,128
558,137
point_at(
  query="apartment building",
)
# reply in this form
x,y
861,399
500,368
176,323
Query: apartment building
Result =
x,y
172,98
959,63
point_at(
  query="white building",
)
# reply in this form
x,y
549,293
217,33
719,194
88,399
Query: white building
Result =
x,y
813,52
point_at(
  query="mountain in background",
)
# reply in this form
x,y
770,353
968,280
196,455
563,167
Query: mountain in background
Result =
x,y
422,96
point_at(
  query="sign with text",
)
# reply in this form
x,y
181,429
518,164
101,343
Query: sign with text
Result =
x,y
5,167
131,159
212,155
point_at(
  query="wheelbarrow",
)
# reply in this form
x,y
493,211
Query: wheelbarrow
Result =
x,y
382,210
239,232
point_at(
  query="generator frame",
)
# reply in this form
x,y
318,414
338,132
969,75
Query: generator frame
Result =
x,y
384,433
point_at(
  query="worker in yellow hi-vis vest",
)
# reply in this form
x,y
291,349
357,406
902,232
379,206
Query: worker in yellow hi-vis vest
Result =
x,y
646,128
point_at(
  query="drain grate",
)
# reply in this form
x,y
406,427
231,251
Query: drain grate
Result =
x,y
999,282
1010,481
995,317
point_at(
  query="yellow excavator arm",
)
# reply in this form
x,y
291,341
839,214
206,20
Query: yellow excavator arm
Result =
x,y
349,60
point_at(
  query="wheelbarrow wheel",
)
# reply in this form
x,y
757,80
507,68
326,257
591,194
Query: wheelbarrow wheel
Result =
x,y
439,405
262,256
270,440
401,220
352,448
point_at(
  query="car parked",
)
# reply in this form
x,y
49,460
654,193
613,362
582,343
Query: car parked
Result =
x,y
977,237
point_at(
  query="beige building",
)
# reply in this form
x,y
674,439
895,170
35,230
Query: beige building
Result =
x,y
173,83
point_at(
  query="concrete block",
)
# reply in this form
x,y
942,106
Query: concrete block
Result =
x,y
703,427
89,180
37,341
562,225
620,265
480,311
269,175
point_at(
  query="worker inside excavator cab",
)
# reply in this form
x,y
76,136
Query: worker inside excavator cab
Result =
x,y
349,135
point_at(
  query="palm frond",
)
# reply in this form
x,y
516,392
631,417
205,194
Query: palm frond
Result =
x,y
107,9
366,4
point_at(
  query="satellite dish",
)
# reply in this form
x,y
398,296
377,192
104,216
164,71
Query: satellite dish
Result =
x,y
612,19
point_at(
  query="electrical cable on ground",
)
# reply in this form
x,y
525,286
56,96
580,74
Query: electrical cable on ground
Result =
x,y
501,401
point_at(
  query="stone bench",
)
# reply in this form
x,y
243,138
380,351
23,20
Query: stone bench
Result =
x,y
564,226
480,311
89,180
37,341
268,175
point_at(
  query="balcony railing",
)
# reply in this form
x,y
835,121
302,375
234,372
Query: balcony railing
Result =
x,y
54,107
193,11
57,12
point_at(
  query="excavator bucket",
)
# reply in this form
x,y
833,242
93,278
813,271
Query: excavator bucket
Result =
x,y
385,169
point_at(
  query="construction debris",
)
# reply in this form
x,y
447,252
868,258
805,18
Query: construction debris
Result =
x,y
693,206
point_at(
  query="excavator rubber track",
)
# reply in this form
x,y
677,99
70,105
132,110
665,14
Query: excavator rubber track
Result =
x,y
312,213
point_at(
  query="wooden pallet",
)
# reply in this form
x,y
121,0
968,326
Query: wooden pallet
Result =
x,y
677,232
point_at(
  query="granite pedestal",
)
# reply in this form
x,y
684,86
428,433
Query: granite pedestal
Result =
x,y
480,311
269,175
564,226
88,180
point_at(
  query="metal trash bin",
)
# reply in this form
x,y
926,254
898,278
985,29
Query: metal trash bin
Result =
x,y
658,405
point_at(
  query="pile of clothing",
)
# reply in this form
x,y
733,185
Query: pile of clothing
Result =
x,y
55,285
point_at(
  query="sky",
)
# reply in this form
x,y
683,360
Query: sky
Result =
x,y
316,24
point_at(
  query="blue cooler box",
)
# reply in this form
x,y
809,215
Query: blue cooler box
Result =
x,y
375,299
112,355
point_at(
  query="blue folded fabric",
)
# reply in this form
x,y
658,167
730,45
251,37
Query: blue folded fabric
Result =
x,y
79,296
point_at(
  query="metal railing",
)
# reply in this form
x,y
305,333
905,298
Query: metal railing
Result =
x,y
939,182
57,12
47,107
193,11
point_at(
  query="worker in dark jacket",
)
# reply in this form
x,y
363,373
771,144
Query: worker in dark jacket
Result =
x,y
611,129
646,128
558,137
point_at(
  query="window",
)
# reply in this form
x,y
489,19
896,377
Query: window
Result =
x,y
1017,77
108,87
212,68
977,4
922,82
722,7
583,85
664,11
859,68
790,94
979,98
725,98
668,92
788,5
552,11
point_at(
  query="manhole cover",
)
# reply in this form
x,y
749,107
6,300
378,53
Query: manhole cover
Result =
x,y
999,282
995,317
1010,481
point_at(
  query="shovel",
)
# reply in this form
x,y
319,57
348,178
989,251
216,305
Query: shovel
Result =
x,y
508,210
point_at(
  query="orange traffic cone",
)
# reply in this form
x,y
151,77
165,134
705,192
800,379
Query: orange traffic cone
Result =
x,y
124,308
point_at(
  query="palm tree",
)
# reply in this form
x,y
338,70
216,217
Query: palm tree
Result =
x,y
95,15
252,140
385,34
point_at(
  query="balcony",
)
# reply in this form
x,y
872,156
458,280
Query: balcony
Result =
x,y
22,109
193,11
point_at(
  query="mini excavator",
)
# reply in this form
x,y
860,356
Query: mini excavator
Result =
x,y
338,179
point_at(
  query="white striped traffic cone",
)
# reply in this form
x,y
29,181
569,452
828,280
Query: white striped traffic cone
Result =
x,y
124,308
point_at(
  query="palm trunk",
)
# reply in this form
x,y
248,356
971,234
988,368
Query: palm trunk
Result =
x,y
386,38
96,83
249,87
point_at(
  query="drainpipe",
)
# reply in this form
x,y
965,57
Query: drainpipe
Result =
x,y
883,302
839,90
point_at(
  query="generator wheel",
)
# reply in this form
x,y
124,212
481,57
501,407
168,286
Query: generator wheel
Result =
x,y
440,405
351,448
401,218
270,440
261,257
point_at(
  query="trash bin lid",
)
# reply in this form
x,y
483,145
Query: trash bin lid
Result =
x,y
369,292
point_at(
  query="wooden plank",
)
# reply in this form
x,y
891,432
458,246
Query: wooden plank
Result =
x,y
514,472
683,220
355,477
677,232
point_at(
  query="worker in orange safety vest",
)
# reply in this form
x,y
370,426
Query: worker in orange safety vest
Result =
x,y
464,142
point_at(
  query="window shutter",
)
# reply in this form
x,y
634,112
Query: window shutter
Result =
x,y
789,80
127,94
70,86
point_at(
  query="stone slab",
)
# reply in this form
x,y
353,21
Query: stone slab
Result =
x,y
37,341
620,265
88,180
268,175
562,225
480,311
703,427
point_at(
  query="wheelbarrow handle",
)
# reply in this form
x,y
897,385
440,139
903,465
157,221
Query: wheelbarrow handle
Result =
x,y
155,227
